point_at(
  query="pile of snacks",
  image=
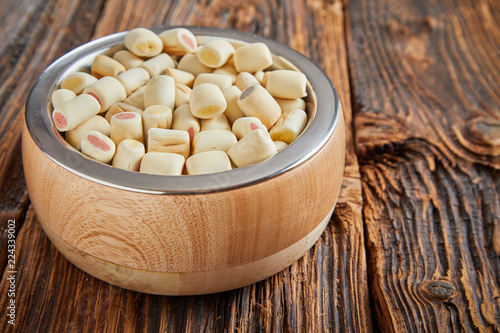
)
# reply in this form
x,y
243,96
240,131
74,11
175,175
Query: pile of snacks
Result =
x,y
166,105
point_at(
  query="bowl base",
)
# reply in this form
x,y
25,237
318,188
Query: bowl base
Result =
x,y
188,283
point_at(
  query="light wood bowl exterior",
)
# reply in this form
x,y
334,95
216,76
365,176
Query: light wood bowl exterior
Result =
x,y
186,244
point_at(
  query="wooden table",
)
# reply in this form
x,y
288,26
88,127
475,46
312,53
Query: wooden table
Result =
x,y
414,242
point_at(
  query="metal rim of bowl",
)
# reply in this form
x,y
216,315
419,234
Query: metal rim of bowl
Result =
x,y
46,137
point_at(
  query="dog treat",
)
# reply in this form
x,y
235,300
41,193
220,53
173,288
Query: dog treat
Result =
x,y
289,126
136,98
128,155
207,101
255,101
133,78
78,82
143,42
98,146
211,107
181,77
243,126
190,63
212,140
160,90
290,104
182,93
178,41
162,164
158,65
96,123
280,145
126,125
74,112
184,120
106,66
208,162
252,57
215,53
217,122
121,107
169,141
228,70
233,111
255,147
220,80
59,96
156,116
286,84
259,75
245,80
108,91
128,59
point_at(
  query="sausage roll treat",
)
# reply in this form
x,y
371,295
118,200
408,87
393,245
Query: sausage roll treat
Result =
x,y
174,104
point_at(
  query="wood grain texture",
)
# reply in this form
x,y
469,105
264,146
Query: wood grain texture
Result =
x,y
425,82
324,291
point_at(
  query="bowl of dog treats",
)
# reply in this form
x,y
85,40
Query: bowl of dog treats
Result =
x,y
183,160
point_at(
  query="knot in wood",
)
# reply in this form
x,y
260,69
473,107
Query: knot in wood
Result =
x,y
438,290
485,132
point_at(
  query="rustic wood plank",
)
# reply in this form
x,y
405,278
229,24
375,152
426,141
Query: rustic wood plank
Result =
x,y
425,82
324,291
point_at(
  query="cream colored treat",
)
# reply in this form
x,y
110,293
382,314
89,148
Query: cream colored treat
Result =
x,y
98,146
255,101
160,90
78,82
60,96
208,162
286,84
128,155
252,57
228,70
280,145
255,147
182,93
178,41
245,80
167,164
96,123
289,126
156,116
233,111
133,78
212,140
136,99
190,63
121,107
207,101
108,91
126,125
184,120
181,77
158,65
75,112
128,59
218,122
259,76
221,81
169,141
143,42
290,104
243,126
106,66
215,53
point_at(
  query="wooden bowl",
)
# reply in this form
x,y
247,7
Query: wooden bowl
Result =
x,y
184,235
